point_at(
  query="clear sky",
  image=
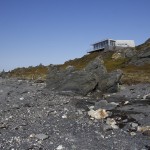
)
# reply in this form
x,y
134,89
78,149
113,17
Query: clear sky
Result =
x,y
54,31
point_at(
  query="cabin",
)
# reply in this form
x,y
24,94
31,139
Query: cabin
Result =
x,y
110,44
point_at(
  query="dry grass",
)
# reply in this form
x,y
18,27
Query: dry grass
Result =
x,y
80,63
136,74
38,72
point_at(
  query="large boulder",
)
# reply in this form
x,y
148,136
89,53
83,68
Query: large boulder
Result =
x,y
94,77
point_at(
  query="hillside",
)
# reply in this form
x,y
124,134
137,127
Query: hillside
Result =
x,y
135,64
34,73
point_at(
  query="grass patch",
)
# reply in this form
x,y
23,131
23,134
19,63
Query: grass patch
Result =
x,y
38,72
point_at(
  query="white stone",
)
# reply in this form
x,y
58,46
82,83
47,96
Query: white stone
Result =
x,y
32,135
132,133
113,103
143,129
21,98
134,125
91,107
126,102
112,123
145,96
60,147
64,116
98,114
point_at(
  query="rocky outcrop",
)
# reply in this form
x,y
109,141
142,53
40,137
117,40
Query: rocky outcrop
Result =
x,y
93,78
142,57
148,41
124,53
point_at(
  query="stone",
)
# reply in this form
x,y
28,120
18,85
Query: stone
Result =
x,y
93,78
80,112
117,56
142,57
126,102
111,122
60,147
103,104
21,98
147,96
98,114
114,103
146,133
64,116
148,40
41,136
134,125
132,133
107,127
143,128
16,106
91,107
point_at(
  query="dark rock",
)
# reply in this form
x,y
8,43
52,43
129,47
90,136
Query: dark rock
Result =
x,y
146,133
142,57
103,104
39,81
92,78
145,53
147,41
109,83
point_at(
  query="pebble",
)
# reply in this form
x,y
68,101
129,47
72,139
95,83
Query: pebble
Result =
x,y
16,106
98,114
111,122
107,127
60,147
126,102
51,142
64,116
134,125
21,98
80,112
91,107
132,133
73,147
145,96
32,135
113,103
41,136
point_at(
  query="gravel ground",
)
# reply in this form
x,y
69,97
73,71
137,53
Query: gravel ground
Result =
x,y
34,118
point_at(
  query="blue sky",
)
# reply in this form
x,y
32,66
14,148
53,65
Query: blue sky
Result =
x,y
54,31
